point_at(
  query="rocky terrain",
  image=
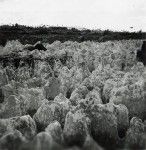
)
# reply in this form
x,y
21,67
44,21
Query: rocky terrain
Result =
x,y
73,96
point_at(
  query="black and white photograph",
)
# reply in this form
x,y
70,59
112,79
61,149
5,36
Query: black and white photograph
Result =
x,y
72,74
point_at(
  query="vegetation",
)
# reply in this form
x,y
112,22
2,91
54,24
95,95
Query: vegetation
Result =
x,y
31,35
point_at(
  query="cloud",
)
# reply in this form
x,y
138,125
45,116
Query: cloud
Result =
x,y
3,1
112,14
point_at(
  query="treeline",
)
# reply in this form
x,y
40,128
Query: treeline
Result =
x,y
31,35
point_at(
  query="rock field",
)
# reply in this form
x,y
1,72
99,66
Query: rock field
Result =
x,y
73,96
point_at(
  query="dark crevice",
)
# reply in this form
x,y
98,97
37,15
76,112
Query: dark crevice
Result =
x,y
122,133
40,127
104,100
90,88
31,112
1,96
68,94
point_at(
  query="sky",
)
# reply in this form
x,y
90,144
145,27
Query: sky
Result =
x,y
92,14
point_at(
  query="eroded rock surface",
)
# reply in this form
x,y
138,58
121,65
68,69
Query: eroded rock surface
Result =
x,y
47,113
72,96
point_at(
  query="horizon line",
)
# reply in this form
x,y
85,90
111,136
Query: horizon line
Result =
x,y
76,27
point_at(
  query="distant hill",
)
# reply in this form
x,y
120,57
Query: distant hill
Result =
x,y
31,35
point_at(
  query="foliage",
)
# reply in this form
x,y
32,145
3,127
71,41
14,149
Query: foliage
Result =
x,y
31,35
